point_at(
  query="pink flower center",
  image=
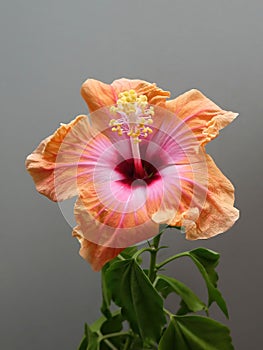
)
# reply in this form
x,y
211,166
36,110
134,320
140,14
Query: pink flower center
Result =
x,y
130,174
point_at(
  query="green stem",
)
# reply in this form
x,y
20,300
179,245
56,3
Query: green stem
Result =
x,y
106,341
127,343
171,259
154,251
137,254
110,345
121,257
116,334
168,313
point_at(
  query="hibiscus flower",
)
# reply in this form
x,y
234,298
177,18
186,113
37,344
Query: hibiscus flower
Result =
x,y
137,161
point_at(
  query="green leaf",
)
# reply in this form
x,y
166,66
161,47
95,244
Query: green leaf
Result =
x,y
104,346
112,325
90,340
195,332
166,285
141,304
106,294
135,343
209,259
206,260
129,252
95,327
93,340
84,343
117,342
184,309
105,326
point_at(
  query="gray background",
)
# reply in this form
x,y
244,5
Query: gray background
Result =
x,y
48,48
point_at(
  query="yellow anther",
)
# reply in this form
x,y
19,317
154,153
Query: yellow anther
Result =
x,y
113,109
112,121
134,115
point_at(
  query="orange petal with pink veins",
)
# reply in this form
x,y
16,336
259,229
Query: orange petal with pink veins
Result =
x,y
44,166
202,115
98,94
155,95
104,220
216,214
95,254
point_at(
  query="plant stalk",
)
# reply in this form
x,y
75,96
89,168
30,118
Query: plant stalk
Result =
x,y
154,251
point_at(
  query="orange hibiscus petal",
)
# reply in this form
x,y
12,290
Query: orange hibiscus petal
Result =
x,y
95,254
98,94
202,115
41,170
216,214
45,168
106,223
155,95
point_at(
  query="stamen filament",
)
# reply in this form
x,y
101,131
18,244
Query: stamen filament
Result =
x,y
139,170
134,117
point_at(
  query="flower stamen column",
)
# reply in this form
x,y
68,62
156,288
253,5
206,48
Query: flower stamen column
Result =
x,y
134,118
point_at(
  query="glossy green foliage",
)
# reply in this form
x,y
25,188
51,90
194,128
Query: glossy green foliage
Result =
x,y
206,260
166,285
195,333
141,322
141,305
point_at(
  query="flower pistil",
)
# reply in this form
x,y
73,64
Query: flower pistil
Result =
x,y
134,117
